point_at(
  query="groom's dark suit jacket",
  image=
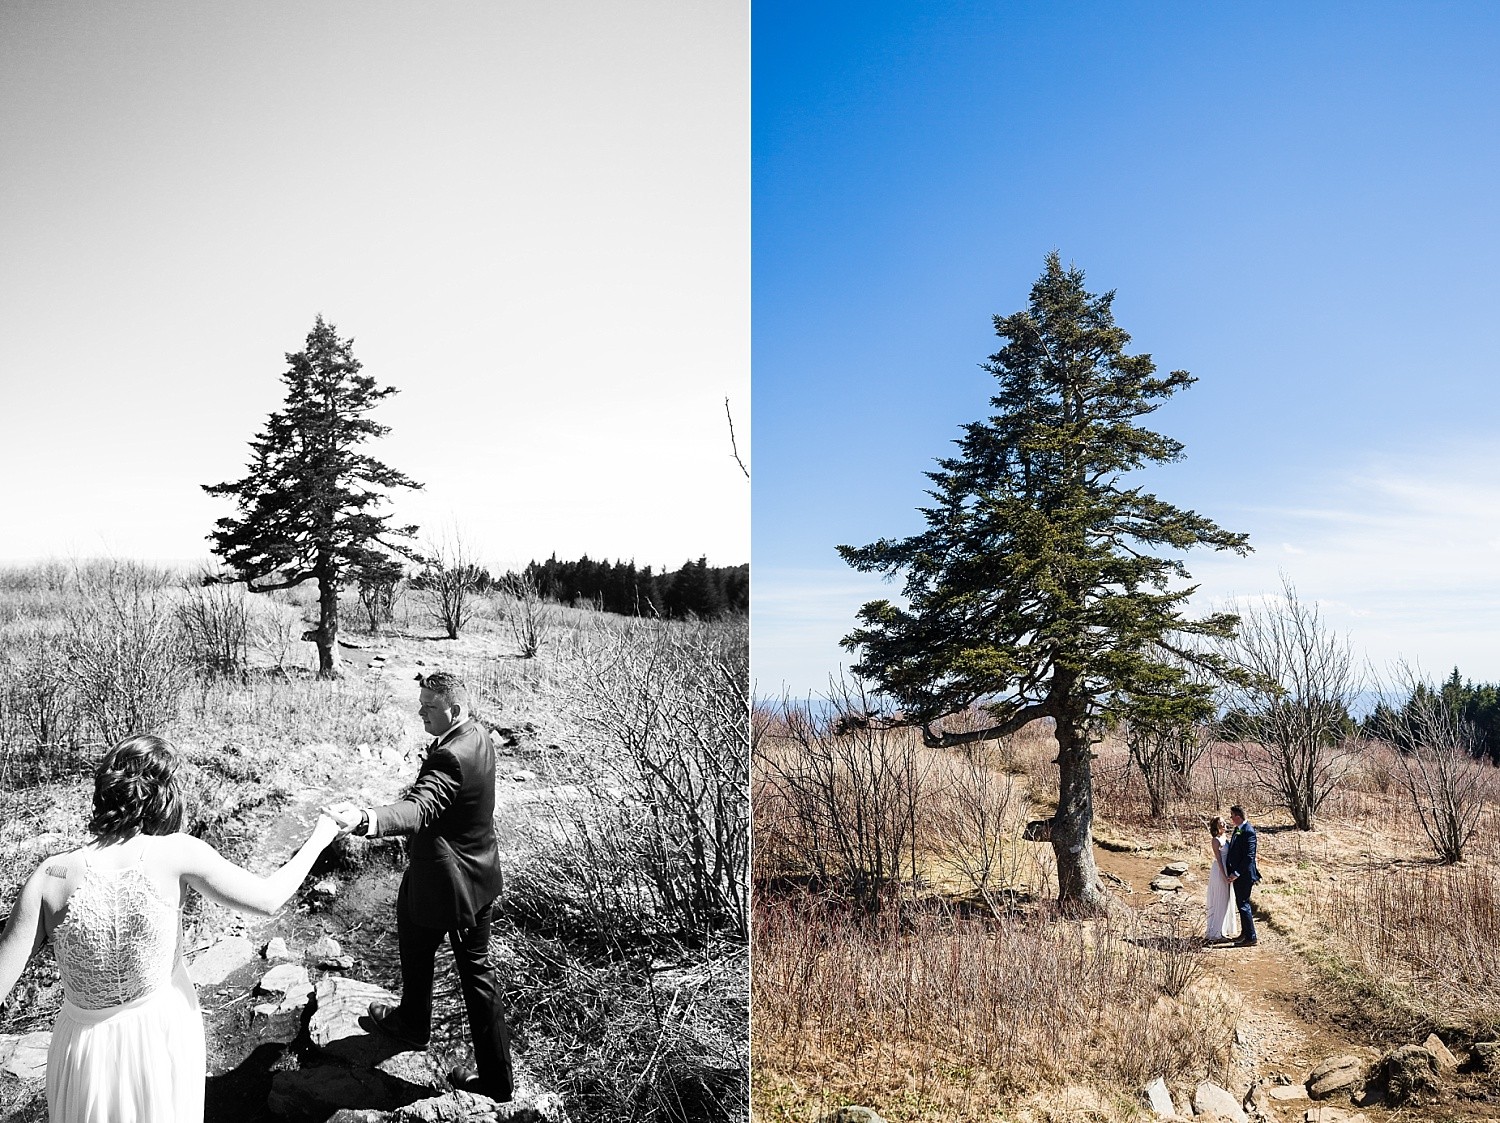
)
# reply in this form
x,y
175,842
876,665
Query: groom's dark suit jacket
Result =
x,y
454,860
1239,858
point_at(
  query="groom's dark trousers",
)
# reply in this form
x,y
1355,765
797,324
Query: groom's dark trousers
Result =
x,y
449,890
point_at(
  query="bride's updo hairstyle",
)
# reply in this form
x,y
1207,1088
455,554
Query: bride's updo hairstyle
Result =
x,y
135,790
1216,826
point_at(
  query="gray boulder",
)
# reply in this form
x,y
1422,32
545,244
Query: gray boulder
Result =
x,y
1158,1098
216,964
1446,1061
24,1055
1165,884
1212,1098
1336,1074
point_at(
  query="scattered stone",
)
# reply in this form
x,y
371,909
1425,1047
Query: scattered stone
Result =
x,y
325,947
276,949
24,1055
522,776
850,1114
1409,1075
1158,1099
1336,1074
1333,1115
1487,1056
1286,1093
1211,1098
216,964
273,1021
1164,884
1446,1061
287,981
336,963
323,891
1175,869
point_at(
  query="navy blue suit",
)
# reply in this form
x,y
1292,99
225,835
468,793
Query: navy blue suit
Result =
x,y
1239,863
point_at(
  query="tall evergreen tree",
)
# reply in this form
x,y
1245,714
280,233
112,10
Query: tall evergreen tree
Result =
x,y
306,510
1041,586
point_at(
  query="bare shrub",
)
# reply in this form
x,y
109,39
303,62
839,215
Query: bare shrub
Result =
x,y
847,792
39,710
530,615
1299,682
125,650
976,823
378,592
450,582
215,622
1442,769
662,837
276,629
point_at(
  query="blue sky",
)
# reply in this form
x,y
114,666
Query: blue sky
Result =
x,y
1294,202
532,218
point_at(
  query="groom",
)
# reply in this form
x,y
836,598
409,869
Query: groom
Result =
x,y
1239,864
450,884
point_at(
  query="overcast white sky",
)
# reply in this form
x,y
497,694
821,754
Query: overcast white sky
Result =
x,y
533,219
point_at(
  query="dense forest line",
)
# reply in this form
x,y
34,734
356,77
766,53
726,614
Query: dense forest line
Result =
x,y
697,589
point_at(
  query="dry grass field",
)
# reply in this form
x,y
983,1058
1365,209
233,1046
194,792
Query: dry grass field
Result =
x,y
956,990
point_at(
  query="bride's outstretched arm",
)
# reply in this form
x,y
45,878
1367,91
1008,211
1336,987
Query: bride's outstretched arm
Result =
x,y
24,932
219,879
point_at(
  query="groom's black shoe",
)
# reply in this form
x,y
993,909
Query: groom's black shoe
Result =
x,y
1245,943
467,1080
388,1019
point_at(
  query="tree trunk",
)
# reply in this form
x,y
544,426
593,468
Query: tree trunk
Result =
x,y
1072,828
327,633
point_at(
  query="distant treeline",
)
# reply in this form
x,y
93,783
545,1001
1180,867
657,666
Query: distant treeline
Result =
x,y
696,589
1476,705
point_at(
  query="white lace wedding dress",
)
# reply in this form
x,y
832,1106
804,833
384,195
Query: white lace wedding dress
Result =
x,y
1223,917
128,1045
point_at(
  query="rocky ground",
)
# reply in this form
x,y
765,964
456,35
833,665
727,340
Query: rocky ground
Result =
x,y
284,999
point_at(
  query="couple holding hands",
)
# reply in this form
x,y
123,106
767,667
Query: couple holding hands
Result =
x,y
1232,875
128,1043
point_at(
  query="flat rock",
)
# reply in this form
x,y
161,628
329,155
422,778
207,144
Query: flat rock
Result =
x,y
24,1055
1333,1115
213,966
1336,1074
1285,1093
276,949
341,1026
1175,869
1164,884
287,981
1487,1055
1211,1098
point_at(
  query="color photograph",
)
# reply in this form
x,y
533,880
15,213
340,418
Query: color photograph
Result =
x,y
1126,707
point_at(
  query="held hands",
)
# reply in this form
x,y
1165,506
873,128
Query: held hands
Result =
x,y
346,815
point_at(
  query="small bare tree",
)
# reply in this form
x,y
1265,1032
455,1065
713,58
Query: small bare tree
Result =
x,y
451,578
215,621
1442,766
530,614
1290,708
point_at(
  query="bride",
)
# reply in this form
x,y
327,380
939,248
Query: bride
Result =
x,y
1223,919
128,1044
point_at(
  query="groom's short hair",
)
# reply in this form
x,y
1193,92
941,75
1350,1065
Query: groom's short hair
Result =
x,y
447,685
1237,811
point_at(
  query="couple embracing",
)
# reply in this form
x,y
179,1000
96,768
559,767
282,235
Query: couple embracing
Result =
x,y
1232,875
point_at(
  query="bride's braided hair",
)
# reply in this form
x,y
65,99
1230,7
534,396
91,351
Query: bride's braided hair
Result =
x,y
135,790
